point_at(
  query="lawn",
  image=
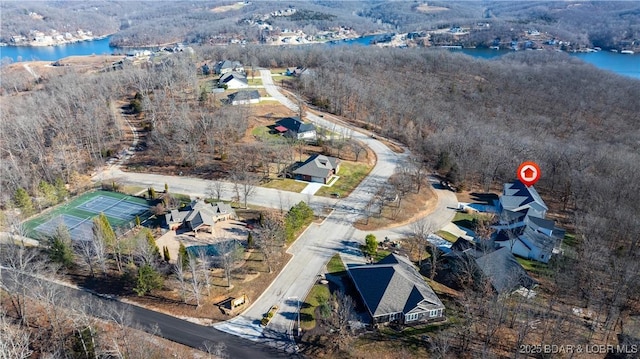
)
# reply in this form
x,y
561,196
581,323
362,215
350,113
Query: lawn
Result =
x,y
381,253
351,174
335,264
466,220
447,236
256,81
536,268
286,184
308,308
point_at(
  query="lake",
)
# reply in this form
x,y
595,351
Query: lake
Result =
x,y
626,65
54,53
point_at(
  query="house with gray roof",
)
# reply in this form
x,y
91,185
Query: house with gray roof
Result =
x,y
244,97
227,66
293,127
522,225
501,269
233,80
393,291
317,168
199,215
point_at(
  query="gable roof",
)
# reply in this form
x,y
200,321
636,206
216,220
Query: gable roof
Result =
x,y
317,166
226,64
393,285
503,271
517,197
224,79
199,213
244,95
295,125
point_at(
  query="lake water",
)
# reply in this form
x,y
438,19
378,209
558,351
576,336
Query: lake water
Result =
x,y
54,53
627,65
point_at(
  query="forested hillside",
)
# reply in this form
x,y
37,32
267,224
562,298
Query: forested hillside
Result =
x,y
485,117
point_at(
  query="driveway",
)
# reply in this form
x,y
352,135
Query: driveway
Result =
x,y
312,188
315,246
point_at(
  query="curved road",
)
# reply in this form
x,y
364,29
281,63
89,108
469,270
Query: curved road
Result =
x,y
315,246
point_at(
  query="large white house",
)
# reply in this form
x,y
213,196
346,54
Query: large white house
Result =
x,y
522,227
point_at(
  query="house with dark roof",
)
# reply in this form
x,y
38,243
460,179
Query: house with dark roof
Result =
x,y
233,80
522,225
392,290
485,264
245,97
199,215
293,127
317,168
227,66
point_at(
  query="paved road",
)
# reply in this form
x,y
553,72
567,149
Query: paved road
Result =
x,y
168,327
316,246
319,243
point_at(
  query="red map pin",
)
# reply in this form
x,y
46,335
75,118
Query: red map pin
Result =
x,y
529,173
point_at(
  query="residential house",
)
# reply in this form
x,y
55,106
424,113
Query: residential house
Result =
x,y
233,80
244,97
317,168
227,66
392,290
293,127
482,262
295,71
199,215
522,225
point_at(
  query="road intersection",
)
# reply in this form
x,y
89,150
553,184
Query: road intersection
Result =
x,y
311,251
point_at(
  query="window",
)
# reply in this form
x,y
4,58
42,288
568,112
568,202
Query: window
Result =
x,y
434,313
411,317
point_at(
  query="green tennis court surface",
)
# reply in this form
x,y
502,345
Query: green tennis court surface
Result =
x,y
78,214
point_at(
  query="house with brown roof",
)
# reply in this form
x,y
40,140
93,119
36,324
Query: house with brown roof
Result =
x,y
317,168
392,290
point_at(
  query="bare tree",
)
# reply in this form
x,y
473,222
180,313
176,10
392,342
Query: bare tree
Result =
x,y
195,284
216,350
270,237
420,231
15,341
215,189
178,270
204,263
230,253
343,315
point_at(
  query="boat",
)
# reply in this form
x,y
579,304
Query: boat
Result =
x,y
495,47
627,52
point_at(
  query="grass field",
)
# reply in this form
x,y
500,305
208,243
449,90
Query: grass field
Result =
x,y
308,308
351,174
71,209
286,184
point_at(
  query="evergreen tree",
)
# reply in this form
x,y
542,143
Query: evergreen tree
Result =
x,y
61,189
48,191
61,250
165,252
183,256
152,243
147,280
152,193
102,228
23,201
138,221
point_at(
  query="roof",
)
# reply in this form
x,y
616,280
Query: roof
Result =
x,y
318,166
295,125
503,271
393,285
280,129
528,236
516,197
244,95
230,76
199,213
226,64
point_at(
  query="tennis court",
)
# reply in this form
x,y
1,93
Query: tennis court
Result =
x,y
81,229
113,207
78,214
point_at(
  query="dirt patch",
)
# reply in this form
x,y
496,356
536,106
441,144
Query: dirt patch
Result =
x,y
414,206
